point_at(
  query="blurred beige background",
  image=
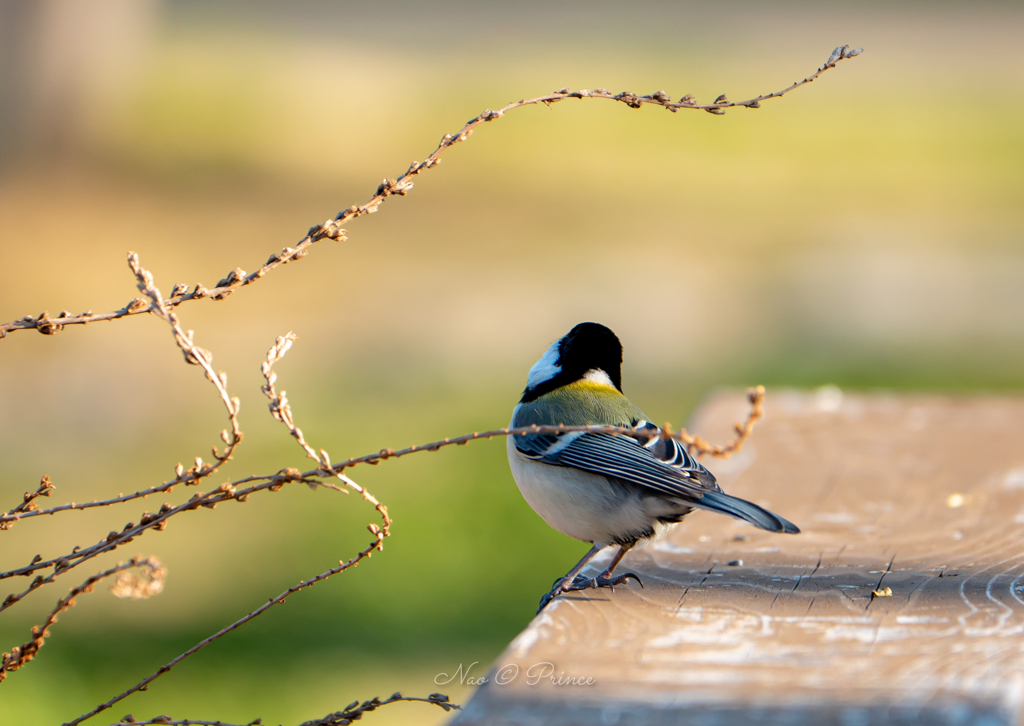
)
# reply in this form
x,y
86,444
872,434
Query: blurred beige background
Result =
x,y
866,231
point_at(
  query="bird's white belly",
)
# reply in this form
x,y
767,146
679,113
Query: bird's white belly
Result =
x,y
581,505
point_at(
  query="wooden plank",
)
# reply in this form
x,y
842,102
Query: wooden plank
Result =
x,y
923,496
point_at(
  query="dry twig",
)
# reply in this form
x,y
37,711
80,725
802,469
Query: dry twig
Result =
x,y
332,228
376,544
45,488
700,447
237,490
22,654
352,712
279,406
697,445
355,710
158,521
193,355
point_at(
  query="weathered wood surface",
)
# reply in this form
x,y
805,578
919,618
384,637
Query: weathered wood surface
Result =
x,y
922,495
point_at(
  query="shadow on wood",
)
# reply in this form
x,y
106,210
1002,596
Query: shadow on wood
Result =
x,y
900,603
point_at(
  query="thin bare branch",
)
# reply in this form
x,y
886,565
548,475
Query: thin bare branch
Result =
x,y
158,521
44,489
377,544
225,492
281,410
22,654
698,446
332,228
193,355
279,407
193,475
353,712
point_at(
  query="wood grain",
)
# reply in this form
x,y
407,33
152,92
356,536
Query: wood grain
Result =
x,y
920,496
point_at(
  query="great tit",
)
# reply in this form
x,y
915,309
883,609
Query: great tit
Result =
x,y
598,487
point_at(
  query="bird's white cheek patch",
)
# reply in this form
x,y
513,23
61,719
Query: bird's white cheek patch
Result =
x,y
546,368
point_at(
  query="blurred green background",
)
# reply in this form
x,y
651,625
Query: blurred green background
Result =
x,y
866,231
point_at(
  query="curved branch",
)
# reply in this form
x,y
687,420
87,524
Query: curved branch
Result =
x,y
194,355
158,521
20,655
353,712
28,504
279,407
377,544
331,229
696,445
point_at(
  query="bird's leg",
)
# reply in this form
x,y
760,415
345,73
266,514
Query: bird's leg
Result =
x,y
570,577
605,579
617,558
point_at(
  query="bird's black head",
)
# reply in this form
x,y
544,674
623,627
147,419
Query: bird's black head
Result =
x,y
589,348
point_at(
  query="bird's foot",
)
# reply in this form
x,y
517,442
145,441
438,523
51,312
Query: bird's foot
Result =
x,y
588,583
585,583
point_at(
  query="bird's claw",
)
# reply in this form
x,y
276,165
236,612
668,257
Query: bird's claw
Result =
x,y
585,583
588,583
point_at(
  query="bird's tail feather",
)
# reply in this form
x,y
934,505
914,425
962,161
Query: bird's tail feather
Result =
x,y
747,511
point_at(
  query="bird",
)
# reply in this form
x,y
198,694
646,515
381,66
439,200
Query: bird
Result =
x,y
599,487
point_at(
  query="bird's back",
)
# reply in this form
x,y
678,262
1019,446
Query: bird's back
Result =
x,y
582,403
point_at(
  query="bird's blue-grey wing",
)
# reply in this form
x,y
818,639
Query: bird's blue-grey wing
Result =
x,y
667,450
625,458
661,466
